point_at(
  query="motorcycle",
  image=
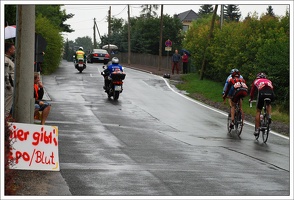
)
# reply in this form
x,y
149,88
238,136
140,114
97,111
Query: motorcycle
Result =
x,y
80,65
115,83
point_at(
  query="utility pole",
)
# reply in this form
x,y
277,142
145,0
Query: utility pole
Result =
x,y
94,36
24,102
98,31
208,42
160,40
129,37
109,28
222,16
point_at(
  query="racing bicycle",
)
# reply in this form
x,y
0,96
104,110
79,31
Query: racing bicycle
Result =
x,y
264,125
238,120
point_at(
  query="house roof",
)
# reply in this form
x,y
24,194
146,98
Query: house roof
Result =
x,y
187,16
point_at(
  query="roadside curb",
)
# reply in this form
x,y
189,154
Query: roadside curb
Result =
x,y
135,68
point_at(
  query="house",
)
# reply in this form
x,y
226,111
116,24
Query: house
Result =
x,y
186,18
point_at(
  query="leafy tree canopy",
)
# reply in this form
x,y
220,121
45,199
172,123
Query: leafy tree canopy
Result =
x,y
149,10
270,11
51,12
232,13
205,9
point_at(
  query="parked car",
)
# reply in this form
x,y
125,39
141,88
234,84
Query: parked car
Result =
x,y
98,55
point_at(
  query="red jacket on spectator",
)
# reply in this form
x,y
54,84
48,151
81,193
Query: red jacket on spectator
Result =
x,y
185,58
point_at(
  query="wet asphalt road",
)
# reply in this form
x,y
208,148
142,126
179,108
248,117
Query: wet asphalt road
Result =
x,y
154,141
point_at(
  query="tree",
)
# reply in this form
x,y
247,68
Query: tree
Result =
x,y
117,25
205,9
85,42
270,11
232,13
145,34
54,40
252,45
55,15
10,15
148,10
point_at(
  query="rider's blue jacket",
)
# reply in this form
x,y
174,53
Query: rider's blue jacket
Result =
x,y
232,88
112,67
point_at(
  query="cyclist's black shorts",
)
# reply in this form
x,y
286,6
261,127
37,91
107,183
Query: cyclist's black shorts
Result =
x,y
266,92
240,93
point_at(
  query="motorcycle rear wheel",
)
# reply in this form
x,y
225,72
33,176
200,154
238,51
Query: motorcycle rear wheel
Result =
x,y
116,95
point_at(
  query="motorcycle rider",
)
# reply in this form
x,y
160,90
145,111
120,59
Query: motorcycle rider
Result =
x,y
114,66
80,54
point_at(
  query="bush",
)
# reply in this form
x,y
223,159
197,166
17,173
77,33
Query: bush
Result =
x,y
252,46
54,49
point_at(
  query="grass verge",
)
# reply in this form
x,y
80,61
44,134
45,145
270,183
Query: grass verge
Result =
x,y
212,91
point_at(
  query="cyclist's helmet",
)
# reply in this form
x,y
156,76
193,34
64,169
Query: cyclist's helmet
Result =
x,y
261,75
81,48
235,73
115,60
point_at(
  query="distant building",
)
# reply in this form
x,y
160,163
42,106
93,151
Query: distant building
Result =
x,y
186,18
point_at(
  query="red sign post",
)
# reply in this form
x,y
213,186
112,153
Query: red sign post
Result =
x,y
168,43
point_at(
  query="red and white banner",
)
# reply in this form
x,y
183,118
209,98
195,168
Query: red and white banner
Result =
x,y
34,147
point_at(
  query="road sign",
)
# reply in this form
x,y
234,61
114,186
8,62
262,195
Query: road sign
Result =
x,y
168,48
168,43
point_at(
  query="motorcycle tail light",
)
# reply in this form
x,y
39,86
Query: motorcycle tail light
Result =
x,y
117,82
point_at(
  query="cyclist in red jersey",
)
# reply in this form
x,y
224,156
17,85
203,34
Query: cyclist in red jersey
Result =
x,y
238,93
264,88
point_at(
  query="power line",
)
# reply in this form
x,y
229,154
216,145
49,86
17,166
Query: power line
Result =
x,y
105,17
120,11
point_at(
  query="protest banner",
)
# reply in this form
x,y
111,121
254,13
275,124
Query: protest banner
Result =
x,y
34,147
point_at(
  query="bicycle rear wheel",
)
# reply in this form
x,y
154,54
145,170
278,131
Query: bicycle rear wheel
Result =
x,y
265,132
239,123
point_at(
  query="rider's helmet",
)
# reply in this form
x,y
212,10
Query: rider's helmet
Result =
x,y
261,75
235,73
81,48
115,60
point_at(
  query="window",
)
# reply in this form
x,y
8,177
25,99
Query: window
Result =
x,y
185,28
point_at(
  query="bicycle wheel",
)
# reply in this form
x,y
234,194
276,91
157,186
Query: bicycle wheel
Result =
x,y
239,123
265,132
229,123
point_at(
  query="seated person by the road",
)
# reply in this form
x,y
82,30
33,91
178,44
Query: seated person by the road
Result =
x,y
42,108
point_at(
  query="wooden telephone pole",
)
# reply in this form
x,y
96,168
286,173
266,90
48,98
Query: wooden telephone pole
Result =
x,y
160,40
109,28
95,25
94,36
129,37
23,101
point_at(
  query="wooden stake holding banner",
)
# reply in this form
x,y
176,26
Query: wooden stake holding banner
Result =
x,y
34,147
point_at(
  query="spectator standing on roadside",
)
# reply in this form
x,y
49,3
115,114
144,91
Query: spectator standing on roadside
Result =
x,y
9,77
176,59
185,63
39,104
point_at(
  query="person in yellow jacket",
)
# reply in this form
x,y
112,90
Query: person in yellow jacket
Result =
x,y
80,54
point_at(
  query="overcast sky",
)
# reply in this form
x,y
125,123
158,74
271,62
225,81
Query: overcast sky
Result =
x,y
84,15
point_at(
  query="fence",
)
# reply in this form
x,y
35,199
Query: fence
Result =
x,y
152,61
